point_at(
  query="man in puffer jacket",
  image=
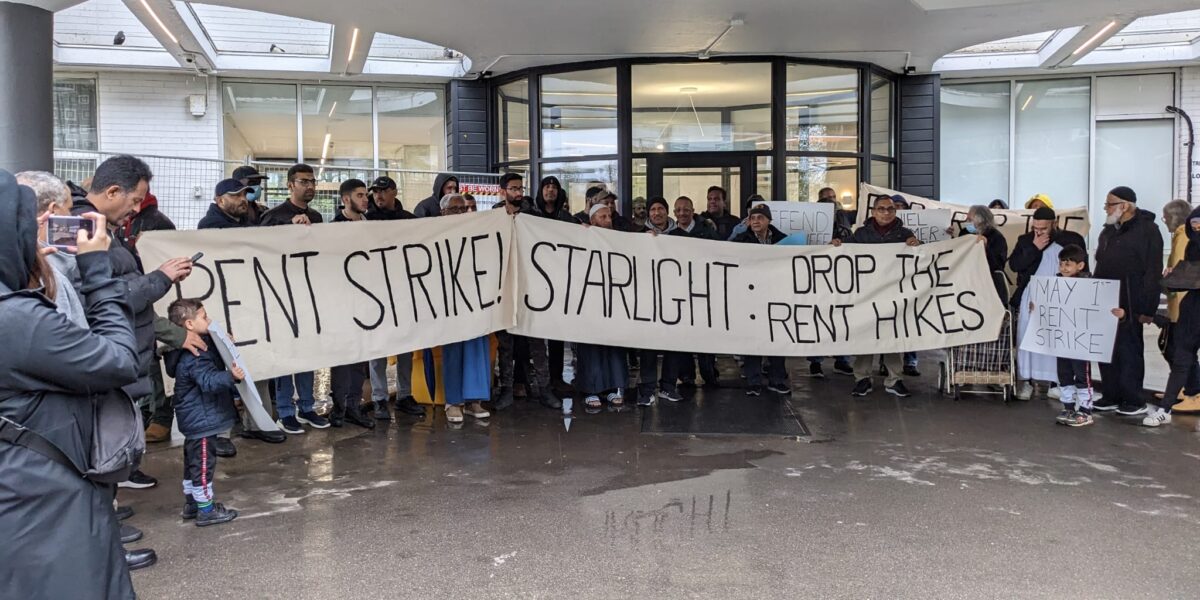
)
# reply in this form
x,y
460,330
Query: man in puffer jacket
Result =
x,y
204,407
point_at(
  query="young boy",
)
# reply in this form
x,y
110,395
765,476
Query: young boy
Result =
x,y
204,407
1074,378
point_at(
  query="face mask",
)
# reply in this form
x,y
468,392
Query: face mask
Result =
x,y
970,227
255,193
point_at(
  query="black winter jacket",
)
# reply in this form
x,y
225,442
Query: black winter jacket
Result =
x,y
867,234
997,249
284,213
1133,254
701,230
216,218
142,290
558,211
748,237
204,392
724,223
1026,257
432,206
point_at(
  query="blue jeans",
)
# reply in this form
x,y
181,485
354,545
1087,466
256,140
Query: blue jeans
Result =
x,y
284,389
910,359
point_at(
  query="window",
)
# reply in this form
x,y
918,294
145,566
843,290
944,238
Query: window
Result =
x,y
75,114
260,121
1052,143
579,113
701,107
412,128
975,142
513,120
577,177
881,116
337,125
822,109
806,175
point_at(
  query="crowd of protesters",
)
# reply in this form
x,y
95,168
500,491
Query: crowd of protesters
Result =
x,y
89,314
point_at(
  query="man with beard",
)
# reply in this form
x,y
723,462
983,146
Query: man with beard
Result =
x,y
1131,251
443,184
1036,253
383,204
256,196
230,208
718,212
660,221
347,380
302,188
551,203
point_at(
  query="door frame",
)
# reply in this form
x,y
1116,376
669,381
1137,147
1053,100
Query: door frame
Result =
x,y
746,162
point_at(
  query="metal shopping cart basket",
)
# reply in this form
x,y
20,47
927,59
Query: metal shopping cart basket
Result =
x,y
987,367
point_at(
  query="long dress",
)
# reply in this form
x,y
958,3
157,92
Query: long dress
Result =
x,y
600,368
467,370
1032,366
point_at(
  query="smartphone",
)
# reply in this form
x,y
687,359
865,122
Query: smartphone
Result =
x,y
63,232
197,256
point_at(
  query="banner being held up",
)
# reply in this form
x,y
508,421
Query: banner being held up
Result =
x,y
1072,317
634,290
303,297
1011,223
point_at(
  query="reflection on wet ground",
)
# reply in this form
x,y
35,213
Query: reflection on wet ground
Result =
x,y
904,498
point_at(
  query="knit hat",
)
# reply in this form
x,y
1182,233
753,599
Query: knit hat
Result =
x,y
658,200
761,209
1124,193
1044,214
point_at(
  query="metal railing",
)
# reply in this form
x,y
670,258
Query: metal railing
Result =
x,y
184,186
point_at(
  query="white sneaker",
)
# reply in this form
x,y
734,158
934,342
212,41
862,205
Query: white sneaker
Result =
x,y
1024,390
1156,417
1054,392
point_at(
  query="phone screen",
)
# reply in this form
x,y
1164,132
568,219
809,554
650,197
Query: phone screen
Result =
x,y
63,232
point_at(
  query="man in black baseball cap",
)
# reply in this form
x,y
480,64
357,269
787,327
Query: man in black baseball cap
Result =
x,y
383,204
250,177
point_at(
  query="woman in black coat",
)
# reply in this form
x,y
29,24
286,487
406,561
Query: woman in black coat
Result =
x,y
61,538
980,221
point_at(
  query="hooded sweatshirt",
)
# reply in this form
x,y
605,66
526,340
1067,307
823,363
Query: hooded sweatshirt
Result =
x,y
1132,252
558,211
148,218
46,381
432,206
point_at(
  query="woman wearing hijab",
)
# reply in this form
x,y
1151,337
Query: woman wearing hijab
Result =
x,y
61,538
600,370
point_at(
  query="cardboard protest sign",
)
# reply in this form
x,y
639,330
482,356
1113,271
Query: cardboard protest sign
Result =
x,y
929,225
1011,223
304,297
812,218
246,389
619,289
1072,317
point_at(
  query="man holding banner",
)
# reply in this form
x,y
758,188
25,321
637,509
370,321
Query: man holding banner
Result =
x,y
760,231
881,228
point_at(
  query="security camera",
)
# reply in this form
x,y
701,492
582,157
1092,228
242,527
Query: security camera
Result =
x,y
910,70
190,58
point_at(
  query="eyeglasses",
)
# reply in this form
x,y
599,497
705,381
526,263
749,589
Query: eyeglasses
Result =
x,y
885,209
304,182
515,188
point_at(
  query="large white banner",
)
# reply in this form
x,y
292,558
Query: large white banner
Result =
x,y
814,219
304,297
1071,317
635,290
1012,223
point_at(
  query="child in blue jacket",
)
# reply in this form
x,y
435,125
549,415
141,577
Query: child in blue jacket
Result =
x,y
204,392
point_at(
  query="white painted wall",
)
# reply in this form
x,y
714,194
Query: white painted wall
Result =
x,y
1189,100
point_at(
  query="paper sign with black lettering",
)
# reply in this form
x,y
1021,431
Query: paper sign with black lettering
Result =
x,y
246,389
815,219
928,225
1011,223
634,290
302,297
1071,317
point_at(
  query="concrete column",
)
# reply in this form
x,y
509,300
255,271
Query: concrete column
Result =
x,y
26,87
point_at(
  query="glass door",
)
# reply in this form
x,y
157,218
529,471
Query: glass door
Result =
x,y
675,175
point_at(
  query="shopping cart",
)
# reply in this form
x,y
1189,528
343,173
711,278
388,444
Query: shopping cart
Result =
x,y
987,367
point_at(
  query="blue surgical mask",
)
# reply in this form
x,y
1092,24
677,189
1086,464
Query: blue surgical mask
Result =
x,y
255,193
970,227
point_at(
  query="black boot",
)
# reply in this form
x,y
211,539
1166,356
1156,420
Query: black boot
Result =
x,y
140,559
408,405
224,448
504,399
130,534
549,400
354,415
189,509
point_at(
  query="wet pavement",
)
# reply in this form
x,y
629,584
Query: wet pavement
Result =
x,y
874,497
